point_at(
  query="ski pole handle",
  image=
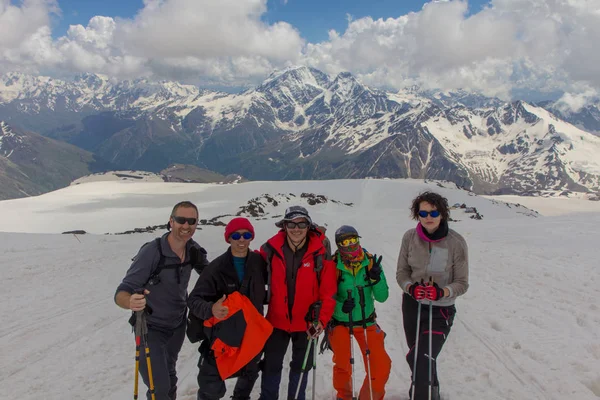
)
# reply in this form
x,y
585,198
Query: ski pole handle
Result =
x,y
350,315
361,296
317,311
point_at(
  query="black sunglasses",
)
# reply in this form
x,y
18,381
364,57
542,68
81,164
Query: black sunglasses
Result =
x,y
238,236
300,225
183,220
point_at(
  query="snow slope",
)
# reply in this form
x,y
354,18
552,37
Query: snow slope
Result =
x,y
527,328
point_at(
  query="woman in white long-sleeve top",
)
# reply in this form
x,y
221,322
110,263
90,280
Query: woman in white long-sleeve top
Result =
x,y
433,268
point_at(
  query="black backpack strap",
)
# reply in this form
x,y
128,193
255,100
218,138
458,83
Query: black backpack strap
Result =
x,y
269,250
318,266
197,256
161,262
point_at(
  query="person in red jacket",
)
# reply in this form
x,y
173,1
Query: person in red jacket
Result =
x,y
294,256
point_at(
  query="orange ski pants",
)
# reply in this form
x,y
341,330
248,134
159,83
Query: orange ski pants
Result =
x,y
381,363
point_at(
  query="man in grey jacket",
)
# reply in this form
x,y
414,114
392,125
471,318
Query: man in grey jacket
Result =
x,y
156,283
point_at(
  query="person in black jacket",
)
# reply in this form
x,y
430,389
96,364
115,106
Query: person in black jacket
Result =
x,y
238,269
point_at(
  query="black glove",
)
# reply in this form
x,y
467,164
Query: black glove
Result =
x,y
348,305
314,312
374,273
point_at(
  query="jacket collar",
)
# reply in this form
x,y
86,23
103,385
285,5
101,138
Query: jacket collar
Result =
x,y
341,266
315,245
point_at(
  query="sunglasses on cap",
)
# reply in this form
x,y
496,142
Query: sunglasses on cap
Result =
x,y
424,214
238,236
348,241
300,225
183,220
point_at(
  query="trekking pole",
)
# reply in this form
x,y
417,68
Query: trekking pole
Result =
x,y
351,331
414,374
313,318
306,353
137,358
430,346
316,314
361,296
430,343
141,334
147,353
314,383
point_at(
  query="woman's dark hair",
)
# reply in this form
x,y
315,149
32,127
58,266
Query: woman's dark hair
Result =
x,y
439,202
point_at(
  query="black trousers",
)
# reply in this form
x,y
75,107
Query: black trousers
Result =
x,y
210,384
442,319
274,353
164,349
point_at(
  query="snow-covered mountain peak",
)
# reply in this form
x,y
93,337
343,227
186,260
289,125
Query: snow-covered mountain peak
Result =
x,y
296,75
92,81
346,86
585,115
515,112
451,98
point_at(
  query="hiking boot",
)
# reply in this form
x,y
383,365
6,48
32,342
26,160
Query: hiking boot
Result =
x,y
435,393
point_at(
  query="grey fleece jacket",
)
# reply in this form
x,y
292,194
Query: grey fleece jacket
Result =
x,y
168,298
446,261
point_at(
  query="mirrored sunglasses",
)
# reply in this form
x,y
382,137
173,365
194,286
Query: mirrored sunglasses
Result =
x,y
300,225
183,220
424,214
238,236
348,241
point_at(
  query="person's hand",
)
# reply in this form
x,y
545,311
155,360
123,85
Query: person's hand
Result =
x,y
348,305
433,292
374,273
315,330
137,301
219,310
417,291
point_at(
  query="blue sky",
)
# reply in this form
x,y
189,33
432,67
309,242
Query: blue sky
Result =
x,y
80,12
313,18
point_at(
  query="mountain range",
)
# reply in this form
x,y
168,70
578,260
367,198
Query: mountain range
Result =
x,y
303,124
31,164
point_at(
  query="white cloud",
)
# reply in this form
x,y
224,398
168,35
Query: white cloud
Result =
x,y
208,28
574,102
25,39
19,23
213,41
509,45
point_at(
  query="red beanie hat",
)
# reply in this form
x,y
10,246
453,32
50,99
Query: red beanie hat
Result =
x,y
236,224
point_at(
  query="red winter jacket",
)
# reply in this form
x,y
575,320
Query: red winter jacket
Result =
x,y
308,289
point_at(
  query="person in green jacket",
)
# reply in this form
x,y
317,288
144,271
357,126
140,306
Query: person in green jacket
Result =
x,y
361,282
